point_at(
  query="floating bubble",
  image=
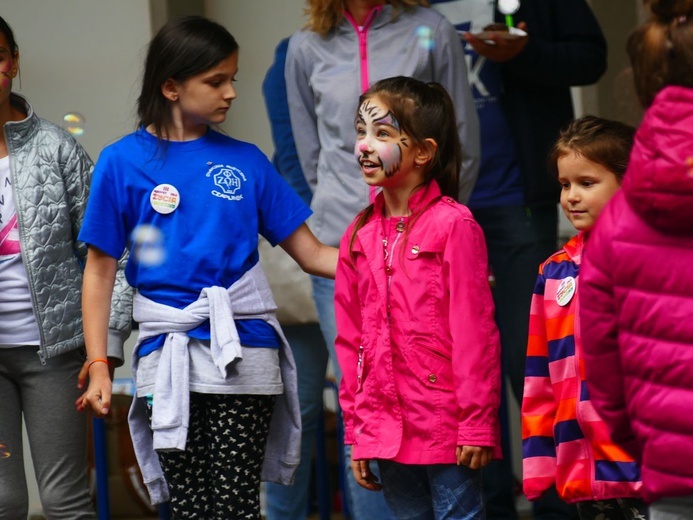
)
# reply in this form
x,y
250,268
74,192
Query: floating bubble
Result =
x,y
73,122
425,37
148,245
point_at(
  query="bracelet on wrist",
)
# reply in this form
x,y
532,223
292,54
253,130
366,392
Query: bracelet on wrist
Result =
x,y
98,360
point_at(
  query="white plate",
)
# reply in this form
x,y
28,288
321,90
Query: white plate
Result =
x,y
512,34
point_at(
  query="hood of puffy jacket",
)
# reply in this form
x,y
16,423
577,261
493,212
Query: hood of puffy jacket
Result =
x,y
659,182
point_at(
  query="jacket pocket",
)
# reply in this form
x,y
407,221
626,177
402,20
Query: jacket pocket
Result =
x,y
359,369
423,249
431,366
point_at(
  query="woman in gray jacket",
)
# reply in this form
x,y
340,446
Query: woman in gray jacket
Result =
x,y
44,176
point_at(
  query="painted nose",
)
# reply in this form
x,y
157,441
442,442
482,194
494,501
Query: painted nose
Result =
x,y
361,147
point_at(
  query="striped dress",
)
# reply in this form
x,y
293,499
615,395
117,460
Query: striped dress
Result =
x,y
564,442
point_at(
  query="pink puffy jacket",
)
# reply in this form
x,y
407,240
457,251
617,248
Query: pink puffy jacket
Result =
x,y
419,350
637,294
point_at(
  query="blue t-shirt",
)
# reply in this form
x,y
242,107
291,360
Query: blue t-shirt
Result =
x,y
500,180
228,193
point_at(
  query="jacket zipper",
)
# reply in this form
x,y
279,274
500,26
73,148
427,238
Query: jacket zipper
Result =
x,y
362,32
22,247
578,407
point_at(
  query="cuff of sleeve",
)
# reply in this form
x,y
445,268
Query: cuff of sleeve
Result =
x,y
115,348
477,437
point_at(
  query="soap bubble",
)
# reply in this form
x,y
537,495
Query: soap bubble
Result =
x,y
425,36
148,245
73,122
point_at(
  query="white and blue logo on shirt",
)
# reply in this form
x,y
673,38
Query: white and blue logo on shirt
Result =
x,y
228,179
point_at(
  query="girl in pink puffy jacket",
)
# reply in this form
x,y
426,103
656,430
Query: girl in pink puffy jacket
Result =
x,y
417,342
637,331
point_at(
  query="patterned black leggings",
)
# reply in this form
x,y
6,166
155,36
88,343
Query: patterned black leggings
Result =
x,y
613,509
218,474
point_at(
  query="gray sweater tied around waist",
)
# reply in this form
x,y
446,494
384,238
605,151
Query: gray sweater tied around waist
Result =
x,y
249,298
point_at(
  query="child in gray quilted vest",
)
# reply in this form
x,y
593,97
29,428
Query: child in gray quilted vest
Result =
x,y
44,176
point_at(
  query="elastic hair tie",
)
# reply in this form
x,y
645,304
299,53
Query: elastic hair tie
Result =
x,y
98,360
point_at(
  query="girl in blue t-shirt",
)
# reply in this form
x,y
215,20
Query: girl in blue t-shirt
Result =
x,y
215,380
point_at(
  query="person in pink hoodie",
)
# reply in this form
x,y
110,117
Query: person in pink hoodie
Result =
x,y
638,329
416,338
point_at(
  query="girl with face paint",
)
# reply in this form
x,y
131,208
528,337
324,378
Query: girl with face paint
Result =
x,y
44,176
416,337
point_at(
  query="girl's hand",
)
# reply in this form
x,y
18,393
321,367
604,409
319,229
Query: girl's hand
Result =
x,y
97,398
474,457
84,372
363,475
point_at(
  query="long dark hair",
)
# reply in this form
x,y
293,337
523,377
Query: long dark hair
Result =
x,y
423,111
181,49
9,36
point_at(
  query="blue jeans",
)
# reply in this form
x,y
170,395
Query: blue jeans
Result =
x,y
363,504
432,492
308,347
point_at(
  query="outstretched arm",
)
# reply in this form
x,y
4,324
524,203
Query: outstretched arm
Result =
x,y
302,109
313,256
97,289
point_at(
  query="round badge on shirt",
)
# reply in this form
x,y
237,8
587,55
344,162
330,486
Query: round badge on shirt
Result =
x,y
164,199
565,291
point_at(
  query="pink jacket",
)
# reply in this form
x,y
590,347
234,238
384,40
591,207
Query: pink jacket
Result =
x,y
638,279
417,342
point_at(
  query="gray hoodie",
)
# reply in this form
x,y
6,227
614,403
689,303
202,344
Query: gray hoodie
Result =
x,y
325,77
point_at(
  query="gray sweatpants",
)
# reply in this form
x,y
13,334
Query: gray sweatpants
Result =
x,y
45,395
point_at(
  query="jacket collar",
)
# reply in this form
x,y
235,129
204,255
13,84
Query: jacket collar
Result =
x,y
574,247
378,17
419,199
18,131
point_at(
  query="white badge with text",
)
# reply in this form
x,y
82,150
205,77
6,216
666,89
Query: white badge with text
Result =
x,y
164,199
565,291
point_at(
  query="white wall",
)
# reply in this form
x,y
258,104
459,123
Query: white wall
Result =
x,y
84,56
